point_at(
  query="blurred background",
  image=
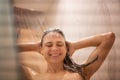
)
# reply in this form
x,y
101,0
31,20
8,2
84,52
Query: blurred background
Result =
x,y
8,62
23,21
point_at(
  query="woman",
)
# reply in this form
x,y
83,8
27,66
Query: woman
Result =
x,y
57,52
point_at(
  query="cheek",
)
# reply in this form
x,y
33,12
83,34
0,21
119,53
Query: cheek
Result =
x,y
64,50
44,51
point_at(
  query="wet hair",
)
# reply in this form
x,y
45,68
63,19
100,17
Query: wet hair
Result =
x,y
69,64
51,30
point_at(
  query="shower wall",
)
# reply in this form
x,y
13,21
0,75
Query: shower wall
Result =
x,y
86,18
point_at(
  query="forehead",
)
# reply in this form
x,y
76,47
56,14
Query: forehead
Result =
x,y
53,36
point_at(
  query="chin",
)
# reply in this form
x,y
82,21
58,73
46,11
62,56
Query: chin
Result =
x,y
56,61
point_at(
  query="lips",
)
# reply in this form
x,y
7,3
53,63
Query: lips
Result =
x,y
55,55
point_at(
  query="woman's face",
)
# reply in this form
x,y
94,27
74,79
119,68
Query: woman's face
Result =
x,y
54,47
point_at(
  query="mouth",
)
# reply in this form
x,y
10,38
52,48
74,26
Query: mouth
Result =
x,y
55,55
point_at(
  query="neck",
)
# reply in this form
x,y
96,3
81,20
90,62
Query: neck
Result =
x,y
55,67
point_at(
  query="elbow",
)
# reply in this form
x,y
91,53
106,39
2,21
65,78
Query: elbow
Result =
x,y
110,37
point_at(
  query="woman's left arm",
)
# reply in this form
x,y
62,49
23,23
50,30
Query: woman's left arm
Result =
x,y
103,44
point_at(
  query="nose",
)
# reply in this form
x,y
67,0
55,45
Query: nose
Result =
x,y
55,48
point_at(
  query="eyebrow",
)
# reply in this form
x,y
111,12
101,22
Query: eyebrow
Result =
x,y
51,42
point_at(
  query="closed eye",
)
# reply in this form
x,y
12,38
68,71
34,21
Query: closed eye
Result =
x,y
59,44
49,44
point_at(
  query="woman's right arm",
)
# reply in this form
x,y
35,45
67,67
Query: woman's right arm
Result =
x,y
28,47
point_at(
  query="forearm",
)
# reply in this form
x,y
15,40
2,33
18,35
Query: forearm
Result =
x,y
93,41
28,47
